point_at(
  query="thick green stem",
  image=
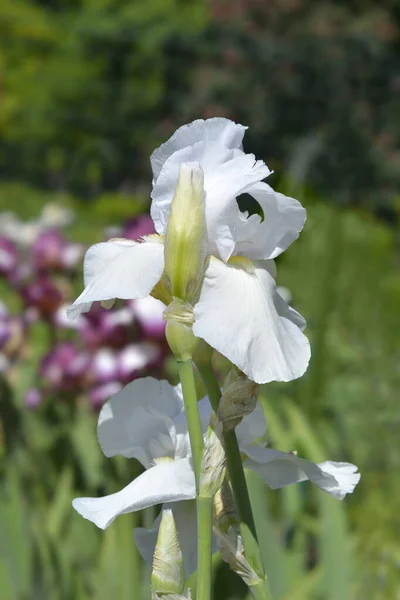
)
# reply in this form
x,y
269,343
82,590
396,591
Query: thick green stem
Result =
x,y
204,525
192,416
204,505
239,489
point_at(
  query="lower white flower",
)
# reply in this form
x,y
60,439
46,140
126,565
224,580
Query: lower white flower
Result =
x,y
146,420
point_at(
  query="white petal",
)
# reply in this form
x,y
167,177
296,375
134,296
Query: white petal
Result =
x,y
166,482
236,315
227,173
279,469
137,414
224,131
284,218
186,524
119,269
253,426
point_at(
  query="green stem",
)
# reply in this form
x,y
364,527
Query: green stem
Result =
x,y
192,415
204,564
239,489
204,505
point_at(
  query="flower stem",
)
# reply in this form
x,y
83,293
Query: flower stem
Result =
x,y
192,415
239,489
204,527
204,505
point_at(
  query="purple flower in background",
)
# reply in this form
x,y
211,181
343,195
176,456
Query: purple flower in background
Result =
x,y
149,314
136,358
33,398
104,366
101,393
65,367
43,294
8,256
50,251
106,327
136,228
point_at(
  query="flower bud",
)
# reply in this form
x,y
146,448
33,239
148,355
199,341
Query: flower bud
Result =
x,y
224,510
231,548
185,237
239,399
167,576
213,463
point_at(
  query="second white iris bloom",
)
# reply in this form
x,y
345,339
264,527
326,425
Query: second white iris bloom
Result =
x,y
146,420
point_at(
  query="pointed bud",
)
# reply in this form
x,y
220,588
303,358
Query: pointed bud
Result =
x,y
167,576
239,399
213,463
224,510
231,548
186,236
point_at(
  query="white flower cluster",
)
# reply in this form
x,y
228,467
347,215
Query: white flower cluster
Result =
x,y
234,306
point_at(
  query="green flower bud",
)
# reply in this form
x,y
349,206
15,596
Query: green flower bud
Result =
x,y
213,463
186,236
167,576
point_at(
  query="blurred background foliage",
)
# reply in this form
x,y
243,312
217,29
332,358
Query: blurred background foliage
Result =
x,y
88,88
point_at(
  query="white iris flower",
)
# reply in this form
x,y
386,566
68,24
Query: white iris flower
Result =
x,y
146,420
238,310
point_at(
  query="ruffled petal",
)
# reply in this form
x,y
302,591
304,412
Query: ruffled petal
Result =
x,y
284,218
142,411
220,130
119,269
186,524
166,482
227,173
279,469
236,315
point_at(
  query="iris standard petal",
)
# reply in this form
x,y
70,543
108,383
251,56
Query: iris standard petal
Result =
x,y
186,524
140,412
220,130
284,218
236,315
227,173
166,482
279,469
119,269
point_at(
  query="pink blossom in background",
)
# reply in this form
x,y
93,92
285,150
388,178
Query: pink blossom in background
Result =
x,y
149,313
33,398
43,294
136,228
136,358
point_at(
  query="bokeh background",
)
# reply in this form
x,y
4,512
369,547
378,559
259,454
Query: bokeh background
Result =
x,y
88,88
